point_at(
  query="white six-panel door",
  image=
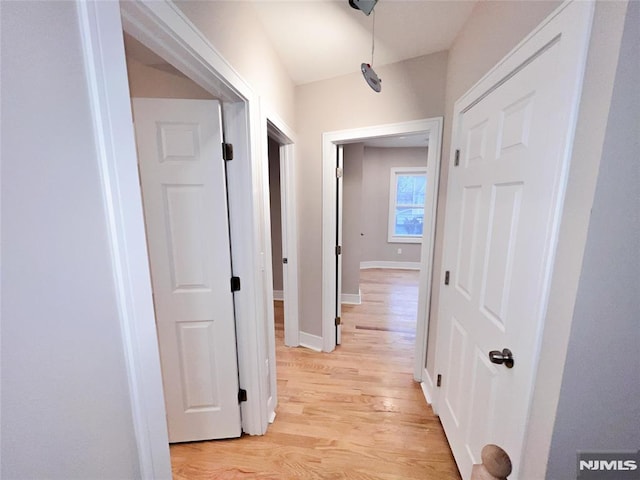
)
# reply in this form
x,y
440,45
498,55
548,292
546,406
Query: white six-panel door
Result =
x,y
185,205
503,204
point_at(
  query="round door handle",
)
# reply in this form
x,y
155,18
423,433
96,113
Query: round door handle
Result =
x,y
504,357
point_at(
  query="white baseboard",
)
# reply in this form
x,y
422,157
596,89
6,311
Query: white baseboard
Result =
x,y
278,295
351,298
427,387
311,341
393,265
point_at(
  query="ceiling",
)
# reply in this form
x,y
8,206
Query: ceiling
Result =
x,y
321,39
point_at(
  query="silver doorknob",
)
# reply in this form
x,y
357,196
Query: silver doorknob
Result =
x,y
502,357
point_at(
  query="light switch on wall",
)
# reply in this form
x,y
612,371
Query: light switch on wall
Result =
x,y
399,251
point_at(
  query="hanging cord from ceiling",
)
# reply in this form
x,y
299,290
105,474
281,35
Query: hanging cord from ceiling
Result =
x,y
369,74
373,37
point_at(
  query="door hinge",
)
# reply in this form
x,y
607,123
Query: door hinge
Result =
x,y
456,159
338,249
338,321
339,172
242,395
227,151
446,277
235,284
439,381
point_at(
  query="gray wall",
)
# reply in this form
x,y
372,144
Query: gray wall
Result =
x,y
66,411
375,197
276,212
352,218
599,407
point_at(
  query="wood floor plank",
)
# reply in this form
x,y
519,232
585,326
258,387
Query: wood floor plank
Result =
x,y
353,414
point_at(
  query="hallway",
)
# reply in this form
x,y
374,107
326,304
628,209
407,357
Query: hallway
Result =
x,y
353,414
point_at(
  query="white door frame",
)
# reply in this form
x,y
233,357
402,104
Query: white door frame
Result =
x,y
280,131
162,27
272,125
330,140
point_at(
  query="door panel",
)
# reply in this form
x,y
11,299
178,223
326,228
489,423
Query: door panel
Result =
x,y
504,215
185,206
468,239
503,205
483,402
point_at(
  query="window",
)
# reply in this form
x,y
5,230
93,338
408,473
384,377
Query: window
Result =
x,y
406,204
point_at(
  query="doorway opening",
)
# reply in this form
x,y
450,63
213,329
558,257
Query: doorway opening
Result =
x,y
381,175
163,29
332,142
281,198
179,134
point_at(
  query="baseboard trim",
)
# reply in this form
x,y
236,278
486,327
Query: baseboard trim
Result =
x,y
427,386
312,342
278,295
390,265
352,298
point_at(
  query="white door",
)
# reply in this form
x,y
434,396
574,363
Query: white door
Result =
x,y
339,191
504,201
185,206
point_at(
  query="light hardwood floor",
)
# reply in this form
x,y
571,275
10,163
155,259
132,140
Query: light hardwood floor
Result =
x,y
355,413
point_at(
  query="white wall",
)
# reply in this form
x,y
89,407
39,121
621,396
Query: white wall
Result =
x,y
412,89
599,410
236,33
65,400
375,196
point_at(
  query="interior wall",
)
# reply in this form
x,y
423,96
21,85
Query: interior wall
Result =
x,y
413,89
151,82
375,195
598,410
276,213
352,218
236,33
66,409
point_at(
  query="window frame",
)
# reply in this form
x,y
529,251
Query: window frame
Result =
x,y
393,184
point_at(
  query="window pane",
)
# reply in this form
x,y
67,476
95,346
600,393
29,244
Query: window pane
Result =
x,y
410,189
408,221
404,190
419,188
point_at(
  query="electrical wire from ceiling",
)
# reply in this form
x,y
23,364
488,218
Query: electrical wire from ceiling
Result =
x,y
367,70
